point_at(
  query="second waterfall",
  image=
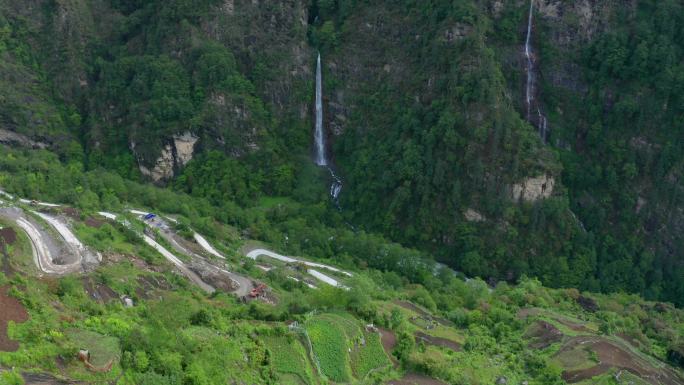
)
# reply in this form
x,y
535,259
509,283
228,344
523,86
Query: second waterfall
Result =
x,y
534,113
320,156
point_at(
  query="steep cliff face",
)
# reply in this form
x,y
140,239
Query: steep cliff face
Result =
x,y
174,156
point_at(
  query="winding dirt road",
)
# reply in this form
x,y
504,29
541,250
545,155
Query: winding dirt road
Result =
x,y
315,273
52,256
181,266
243,285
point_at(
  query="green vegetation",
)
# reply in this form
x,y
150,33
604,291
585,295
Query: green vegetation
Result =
x,y
176,334
368,356
102,349
427,127
434,125
330,348
289,357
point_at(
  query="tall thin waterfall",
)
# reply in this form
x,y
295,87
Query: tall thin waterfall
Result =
x,y
319,137
530,87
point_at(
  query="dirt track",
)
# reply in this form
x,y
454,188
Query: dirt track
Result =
x,y
254,254
45,379
53,255
389,341
204,273
411,306
438,341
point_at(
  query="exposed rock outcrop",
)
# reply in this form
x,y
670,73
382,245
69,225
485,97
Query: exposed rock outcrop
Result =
x,y
533,189
10,137
473,216
173,157
185,147
163,167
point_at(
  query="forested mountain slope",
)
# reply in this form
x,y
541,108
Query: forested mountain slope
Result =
x,y
425,113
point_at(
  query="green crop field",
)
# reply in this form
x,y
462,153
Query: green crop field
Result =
x,y
346,322
343,348
289,359
330,347
368,356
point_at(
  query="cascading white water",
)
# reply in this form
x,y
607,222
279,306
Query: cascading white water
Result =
x,y
530,86
528,56
319,138
335,187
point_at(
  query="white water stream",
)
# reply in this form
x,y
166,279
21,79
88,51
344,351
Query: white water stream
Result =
x,y
319,137
531,86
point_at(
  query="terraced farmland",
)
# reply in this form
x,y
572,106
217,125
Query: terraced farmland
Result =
x,y
289,359
345,350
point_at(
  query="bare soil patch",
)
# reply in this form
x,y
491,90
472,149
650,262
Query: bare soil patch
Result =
x,y
8,235
389,341
71,212
612,356
5,266
44,379
149,284
99,292
416,379
12,310
543,335
438,341
94,222
573,376
215,278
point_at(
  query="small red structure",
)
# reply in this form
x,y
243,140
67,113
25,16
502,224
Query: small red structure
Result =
x,y
257,291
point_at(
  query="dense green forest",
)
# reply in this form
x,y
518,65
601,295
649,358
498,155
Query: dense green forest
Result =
x,y
424,116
